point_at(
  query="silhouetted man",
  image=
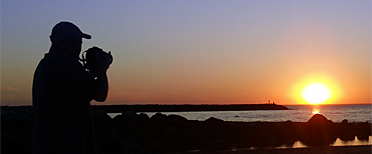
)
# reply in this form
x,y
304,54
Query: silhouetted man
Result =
x,y
61,94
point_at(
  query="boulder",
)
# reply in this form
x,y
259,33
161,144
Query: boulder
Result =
x,y
143,119
178,121
318,131
346,131
101,120
213,120
159,119
318,119
363,130
126,119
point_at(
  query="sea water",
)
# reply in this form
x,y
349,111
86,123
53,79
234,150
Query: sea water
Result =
x,y
298,113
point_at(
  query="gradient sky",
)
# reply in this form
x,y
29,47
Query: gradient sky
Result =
x,y
200,52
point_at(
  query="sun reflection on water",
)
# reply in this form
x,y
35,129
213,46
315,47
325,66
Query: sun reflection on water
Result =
x,y
354,142
316,111
298,144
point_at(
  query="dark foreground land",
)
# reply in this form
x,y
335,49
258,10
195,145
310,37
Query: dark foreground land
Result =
x,y
311,150
138,133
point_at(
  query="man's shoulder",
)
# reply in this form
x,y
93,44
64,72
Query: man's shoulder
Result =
x,y
61,58
57,64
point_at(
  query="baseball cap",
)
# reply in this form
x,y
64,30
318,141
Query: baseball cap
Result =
x,y
67,30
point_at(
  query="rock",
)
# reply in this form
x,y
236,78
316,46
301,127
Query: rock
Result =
x,y
126,119
363,130
213,120
108,141
363,137
217,129
129,115
8,116
181,123
318,119
318,131
346,131
176,118
143,119
129,147
159,119
16,130
101,120
345,121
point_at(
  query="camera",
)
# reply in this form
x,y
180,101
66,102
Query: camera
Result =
x,y
92,55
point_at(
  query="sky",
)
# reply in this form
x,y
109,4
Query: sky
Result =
x,y
200,52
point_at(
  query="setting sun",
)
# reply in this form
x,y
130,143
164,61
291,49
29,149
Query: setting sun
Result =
x,y
316,93
319,88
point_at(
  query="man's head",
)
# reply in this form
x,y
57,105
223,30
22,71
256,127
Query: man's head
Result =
x,y
68,36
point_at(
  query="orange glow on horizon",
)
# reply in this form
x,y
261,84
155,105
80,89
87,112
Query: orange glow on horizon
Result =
x,y
316,89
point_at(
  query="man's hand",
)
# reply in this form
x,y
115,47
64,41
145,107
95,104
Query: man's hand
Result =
x,y
100,61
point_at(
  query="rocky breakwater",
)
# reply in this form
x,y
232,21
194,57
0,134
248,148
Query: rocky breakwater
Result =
x,y
319,131
16,130
131,132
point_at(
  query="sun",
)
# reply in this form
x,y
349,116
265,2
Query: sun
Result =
x,y
316,93
316,89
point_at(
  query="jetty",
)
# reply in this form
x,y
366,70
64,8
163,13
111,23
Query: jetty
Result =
x,y
187,107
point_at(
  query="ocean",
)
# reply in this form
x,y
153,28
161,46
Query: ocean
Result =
x,y
298,113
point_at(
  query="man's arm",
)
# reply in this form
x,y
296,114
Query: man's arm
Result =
x,y
101,74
